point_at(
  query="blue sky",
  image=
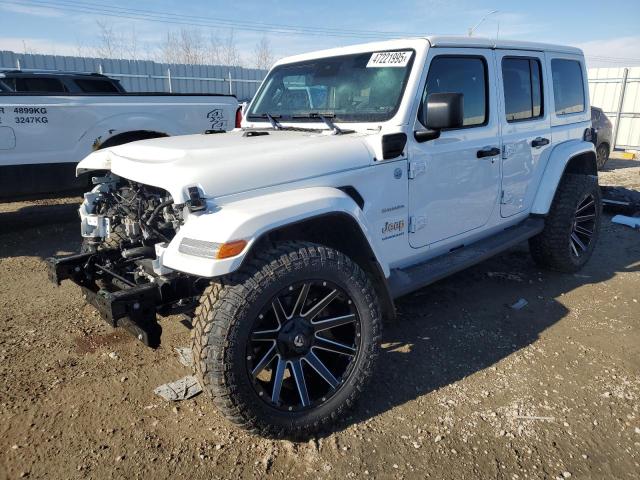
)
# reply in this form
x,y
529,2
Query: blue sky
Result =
x,y
606,30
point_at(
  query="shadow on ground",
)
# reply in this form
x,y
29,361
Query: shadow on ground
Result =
x,y
39,230
464,324
619,164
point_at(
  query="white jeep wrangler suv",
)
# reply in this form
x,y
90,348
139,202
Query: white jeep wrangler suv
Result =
x,y
360,174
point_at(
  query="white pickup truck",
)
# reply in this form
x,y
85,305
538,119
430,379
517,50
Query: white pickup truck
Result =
x,y
51,121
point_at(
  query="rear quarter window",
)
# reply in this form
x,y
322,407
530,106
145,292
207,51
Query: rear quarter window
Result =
x,y
96,86
39,85
568,86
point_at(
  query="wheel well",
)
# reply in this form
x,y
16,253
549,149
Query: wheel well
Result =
x,y
127,137
583,164
341,232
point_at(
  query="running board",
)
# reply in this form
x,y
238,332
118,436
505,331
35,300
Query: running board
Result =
x,y
406,280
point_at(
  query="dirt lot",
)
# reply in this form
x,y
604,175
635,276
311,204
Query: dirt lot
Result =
x,y
466,387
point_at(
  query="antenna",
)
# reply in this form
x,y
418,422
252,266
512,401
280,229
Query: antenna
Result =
x,y
472,29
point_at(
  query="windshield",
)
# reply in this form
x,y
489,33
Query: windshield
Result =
x,y
365,87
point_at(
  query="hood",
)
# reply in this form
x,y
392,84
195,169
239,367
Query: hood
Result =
x,y
226,163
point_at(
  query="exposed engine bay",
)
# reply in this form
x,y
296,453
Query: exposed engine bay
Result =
x,y
122,214
126,227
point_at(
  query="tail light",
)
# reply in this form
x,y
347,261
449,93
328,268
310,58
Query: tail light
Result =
x,y
590,135
238,117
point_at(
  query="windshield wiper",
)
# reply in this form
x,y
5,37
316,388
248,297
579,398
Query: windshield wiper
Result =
x,y
274,123
326,118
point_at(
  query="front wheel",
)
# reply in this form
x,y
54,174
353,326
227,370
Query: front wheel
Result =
x,y
285,345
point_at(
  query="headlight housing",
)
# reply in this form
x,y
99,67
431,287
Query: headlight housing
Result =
x,y
211,250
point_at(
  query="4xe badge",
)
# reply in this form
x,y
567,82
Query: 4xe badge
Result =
x,y
393,228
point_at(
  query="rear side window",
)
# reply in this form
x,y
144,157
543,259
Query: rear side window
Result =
x,y
39,85
568,86
466,75
522,88
96,86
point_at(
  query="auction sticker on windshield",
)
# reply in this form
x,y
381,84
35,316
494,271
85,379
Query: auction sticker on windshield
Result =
x,y
389,59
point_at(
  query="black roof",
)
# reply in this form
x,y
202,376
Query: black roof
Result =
x,y
54,73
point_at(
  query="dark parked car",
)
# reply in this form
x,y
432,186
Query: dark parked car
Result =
x,y
19,81
602,126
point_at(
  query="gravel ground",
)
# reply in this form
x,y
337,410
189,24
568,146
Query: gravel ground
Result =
x,y
466,387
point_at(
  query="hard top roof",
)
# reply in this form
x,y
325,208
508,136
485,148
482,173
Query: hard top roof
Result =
x,y
460,41
434,41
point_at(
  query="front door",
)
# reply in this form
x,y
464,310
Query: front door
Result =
x,y
455,179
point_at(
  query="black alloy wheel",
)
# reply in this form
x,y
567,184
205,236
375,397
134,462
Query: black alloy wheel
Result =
x,y
303,345
583,226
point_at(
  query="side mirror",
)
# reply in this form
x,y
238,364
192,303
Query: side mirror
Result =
x,y
442,110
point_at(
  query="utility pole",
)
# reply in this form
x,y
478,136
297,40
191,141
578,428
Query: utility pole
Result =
x,y
472,29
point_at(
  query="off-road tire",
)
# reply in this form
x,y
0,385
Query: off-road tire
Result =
x,y
551,248
602,155
223,321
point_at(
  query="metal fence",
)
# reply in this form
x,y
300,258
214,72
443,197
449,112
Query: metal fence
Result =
x,y
617,92
148,76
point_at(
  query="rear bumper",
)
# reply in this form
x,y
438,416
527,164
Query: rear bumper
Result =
x,y
132,307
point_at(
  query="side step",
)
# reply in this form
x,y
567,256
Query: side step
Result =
x,y
406,280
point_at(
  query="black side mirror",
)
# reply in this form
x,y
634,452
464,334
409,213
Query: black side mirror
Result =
x,y
442,110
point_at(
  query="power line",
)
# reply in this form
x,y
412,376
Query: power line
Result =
x,y
178,19
261,25
157,16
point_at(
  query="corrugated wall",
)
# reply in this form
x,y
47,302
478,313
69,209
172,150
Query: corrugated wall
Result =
x,y
148,76
606,86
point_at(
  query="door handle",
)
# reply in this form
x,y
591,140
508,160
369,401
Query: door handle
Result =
x,y
488,152
539,142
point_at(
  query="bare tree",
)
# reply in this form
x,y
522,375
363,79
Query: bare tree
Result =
x,y
107,41
190,46
185,46
262,54
27,49
115,44
130,44
229,54
214,51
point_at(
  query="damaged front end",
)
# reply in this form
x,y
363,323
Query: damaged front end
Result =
x,y
126,227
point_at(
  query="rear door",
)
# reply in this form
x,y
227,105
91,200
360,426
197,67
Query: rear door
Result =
x,y
525,124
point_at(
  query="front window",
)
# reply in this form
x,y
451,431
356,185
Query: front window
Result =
x,y
460,74
365,87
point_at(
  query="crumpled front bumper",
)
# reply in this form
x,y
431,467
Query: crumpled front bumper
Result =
x,y
132,307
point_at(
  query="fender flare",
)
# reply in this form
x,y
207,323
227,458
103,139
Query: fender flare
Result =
x,y
252,218
557,164
121,123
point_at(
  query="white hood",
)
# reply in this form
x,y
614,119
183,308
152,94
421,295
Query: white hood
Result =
x,y
225,163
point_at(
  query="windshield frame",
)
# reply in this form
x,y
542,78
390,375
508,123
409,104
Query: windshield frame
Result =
x,y
259,117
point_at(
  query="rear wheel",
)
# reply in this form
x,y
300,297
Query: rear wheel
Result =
x,y
571,227
285,345
602,155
